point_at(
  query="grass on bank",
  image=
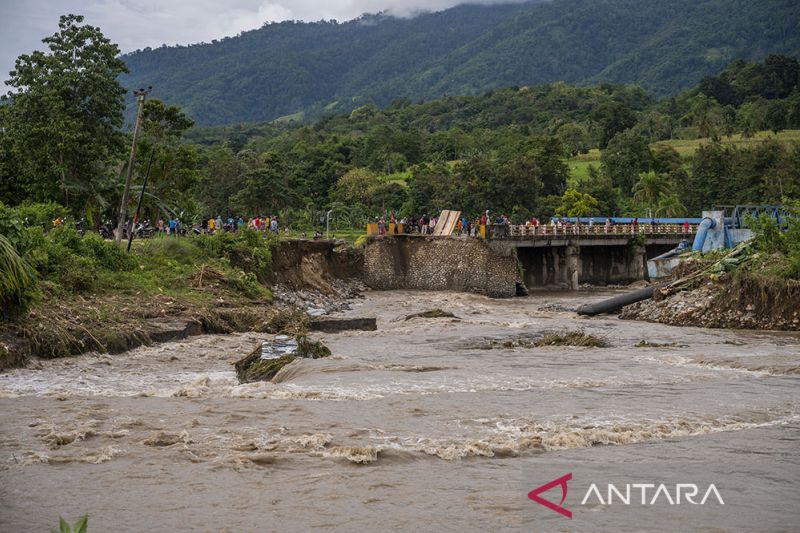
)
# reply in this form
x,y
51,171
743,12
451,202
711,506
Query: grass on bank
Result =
x,y
88,293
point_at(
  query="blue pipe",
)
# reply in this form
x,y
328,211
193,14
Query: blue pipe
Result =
x,y
702,230
728,238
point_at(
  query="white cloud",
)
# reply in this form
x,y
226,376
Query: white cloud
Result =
x,y
136,24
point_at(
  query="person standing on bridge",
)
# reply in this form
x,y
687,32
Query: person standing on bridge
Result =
x,y
686,226
635,225
608,225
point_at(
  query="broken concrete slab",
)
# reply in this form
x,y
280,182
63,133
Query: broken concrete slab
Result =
x,y
335,325
172,329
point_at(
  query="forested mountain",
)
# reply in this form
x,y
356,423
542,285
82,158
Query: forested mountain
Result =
x,y
510,150
323,67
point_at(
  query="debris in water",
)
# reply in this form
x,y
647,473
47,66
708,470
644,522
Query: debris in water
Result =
x,y
564,338
647,344
433,313
280,346
267,359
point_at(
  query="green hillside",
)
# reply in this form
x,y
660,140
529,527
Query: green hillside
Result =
x,y
328,67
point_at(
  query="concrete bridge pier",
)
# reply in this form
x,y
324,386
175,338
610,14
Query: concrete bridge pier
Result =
x,y
573,258
639,262
569,265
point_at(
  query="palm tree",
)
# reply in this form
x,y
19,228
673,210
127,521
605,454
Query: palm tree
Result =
x,y
670,205
650,188
16,278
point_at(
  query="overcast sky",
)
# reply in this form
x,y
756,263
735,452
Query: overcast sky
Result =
x,y
141,23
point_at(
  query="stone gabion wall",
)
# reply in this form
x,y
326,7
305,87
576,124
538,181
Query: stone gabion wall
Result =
x,y
439,264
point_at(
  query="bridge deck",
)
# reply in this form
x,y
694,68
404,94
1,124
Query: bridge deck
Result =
x,y
595,235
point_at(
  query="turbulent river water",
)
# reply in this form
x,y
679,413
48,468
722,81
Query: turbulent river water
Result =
x,y
422,425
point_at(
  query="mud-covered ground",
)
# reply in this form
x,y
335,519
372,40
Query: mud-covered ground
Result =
x,y
723,304
428,424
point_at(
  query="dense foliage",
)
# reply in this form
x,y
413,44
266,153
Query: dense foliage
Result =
x,y
305,70
61,132
506,151
779,247
64,262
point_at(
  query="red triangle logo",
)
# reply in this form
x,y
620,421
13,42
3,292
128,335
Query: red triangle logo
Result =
x,y
562,481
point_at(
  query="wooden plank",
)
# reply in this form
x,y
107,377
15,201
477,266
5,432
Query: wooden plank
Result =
x,y
447,222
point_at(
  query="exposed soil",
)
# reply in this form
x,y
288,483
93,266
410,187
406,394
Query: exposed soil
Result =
x,y
726,302
311,278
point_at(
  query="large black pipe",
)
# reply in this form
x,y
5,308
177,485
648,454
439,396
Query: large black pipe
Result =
x,y
612,304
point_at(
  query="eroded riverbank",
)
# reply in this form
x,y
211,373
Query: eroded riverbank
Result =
x,y
414,426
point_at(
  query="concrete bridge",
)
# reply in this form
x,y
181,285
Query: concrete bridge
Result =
x,y
536,256
569,255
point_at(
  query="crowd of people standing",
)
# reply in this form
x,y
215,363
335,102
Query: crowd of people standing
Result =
x,y
173,227
465,226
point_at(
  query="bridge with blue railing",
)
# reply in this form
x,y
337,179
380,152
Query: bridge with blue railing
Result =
x,y
570,231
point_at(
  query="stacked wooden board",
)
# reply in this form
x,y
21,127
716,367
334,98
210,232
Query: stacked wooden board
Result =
x,y
446,223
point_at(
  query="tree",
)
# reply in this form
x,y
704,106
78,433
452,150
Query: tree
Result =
x,y
431,188
709,117
666,159
613,118
650,188
599,186
174,170
628,154
575,138
577,204
265,189
712,168
721,90
64,114
354,187
220,179
670,205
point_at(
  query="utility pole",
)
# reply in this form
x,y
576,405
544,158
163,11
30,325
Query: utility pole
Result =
x,y
141,195
122,219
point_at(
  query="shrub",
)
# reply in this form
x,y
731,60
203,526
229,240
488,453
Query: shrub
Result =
x,y
185,251
40,214
17,280
247,250
11,226
106,254
75,273
781,244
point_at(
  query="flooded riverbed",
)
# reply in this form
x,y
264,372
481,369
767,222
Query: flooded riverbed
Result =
x,y
424,424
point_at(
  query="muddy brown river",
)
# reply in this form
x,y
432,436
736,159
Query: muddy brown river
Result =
x,y
422,425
